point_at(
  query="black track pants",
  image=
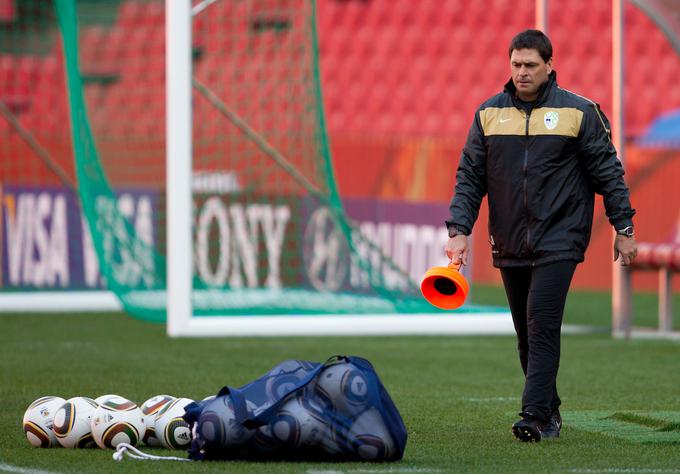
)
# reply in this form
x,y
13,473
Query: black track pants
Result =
x,y
536,296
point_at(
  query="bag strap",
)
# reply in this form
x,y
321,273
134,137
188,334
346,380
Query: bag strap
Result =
x,y
238,401
265,416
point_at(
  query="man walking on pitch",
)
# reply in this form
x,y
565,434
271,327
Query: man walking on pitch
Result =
x,y
540,153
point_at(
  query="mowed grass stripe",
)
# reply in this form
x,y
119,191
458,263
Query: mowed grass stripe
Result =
x,y
22,470
638,427
639,419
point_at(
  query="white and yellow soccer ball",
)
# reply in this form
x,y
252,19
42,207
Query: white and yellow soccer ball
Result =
x,y
345,388
117,420
170,428
370,438
150,409
102,398
38,421
72,423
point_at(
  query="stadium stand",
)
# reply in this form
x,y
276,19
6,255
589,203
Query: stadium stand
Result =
x,y
386,68
428,70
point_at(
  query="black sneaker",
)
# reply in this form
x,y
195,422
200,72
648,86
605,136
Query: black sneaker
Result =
x,y
553,427
529,428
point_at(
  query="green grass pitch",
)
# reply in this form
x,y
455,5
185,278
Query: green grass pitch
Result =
x,y
458,395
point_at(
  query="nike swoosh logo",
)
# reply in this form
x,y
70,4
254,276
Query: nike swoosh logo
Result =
x,y
504,120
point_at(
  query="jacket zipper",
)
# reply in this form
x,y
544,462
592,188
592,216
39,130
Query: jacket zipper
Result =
x,y
526,177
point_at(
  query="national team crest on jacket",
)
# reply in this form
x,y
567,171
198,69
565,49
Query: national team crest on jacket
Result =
x,y
550,119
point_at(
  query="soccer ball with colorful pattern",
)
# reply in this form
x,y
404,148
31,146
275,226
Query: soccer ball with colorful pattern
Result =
x,y
117,420
170,429
150,409
72,423
38,421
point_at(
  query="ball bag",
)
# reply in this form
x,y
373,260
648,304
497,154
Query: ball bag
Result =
x,y
300,410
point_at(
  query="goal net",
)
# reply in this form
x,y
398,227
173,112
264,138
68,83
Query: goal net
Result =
x,y
266,234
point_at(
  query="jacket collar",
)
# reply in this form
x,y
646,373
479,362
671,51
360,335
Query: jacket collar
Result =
x,y
543,91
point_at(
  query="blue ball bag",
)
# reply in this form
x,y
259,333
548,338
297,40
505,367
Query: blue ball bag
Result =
x,y
300,410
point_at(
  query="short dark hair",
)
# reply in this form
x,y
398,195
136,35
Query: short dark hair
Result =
x,y
532,39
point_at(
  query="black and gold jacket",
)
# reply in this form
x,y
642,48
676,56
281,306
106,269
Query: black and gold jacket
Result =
x,y
540,165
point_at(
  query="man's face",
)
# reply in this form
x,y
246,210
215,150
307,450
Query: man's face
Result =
x,y
529,72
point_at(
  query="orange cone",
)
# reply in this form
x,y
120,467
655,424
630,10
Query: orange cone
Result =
x,y
445,287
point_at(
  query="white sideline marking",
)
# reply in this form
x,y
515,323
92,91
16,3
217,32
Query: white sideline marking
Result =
x,y
489,399
625,470
58,302
406,470
22,470
396,469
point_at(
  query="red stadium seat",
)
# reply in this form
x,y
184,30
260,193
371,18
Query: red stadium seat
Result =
x,y
129,13
412,56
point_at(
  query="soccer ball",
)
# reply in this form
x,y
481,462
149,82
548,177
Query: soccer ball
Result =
x,y
102,398
300,423
279,386
370,438
170,428
345,388
39,419
117,420
262,441
285,376
150,409
217,424
72,423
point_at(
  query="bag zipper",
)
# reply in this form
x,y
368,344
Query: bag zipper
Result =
x,y
526,177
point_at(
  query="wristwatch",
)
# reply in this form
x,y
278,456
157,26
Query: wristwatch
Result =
x,y
627,231
454,231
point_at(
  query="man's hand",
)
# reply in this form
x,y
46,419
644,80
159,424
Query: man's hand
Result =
x,y
626,248
457,249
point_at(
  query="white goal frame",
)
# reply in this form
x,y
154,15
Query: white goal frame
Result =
x,y
180,318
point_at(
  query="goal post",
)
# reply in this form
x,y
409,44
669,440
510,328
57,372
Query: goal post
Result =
x,y
179,157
